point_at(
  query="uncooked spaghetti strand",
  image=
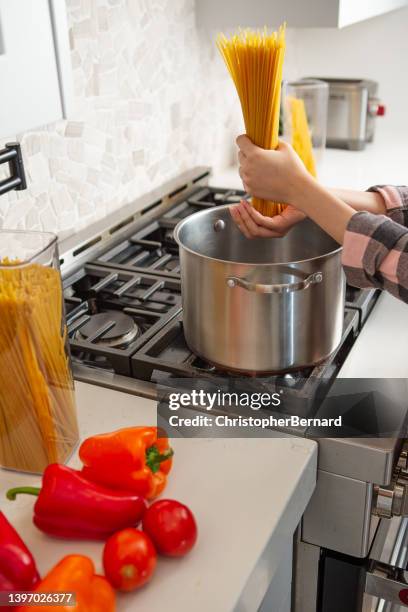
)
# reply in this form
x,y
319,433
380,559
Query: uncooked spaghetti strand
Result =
x,y
255,62
37,408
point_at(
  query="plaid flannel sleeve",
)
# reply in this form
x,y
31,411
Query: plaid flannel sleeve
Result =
x,y
375,247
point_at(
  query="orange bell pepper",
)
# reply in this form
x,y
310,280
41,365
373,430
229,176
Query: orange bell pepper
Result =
x,y
76,573
133,459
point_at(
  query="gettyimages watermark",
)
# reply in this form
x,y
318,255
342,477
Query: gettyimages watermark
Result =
x,y
199,398
254,401
250,422
256,407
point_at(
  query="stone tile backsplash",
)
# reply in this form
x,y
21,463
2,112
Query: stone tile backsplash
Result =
x,y
152,98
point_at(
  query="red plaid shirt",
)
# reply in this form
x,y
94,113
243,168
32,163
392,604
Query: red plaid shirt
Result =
x,y
375,247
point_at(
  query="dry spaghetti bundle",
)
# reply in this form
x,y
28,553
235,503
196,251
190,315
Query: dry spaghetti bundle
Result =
x,y
37,408
255,62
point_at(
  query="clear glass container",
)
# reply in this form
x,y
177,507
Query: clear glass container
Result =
x,y
306,100
38,423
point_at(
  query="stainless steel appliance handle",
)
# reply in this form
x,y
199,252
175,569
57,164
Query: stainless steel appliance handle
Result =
x,y
234,281
386,578
392,500
386,589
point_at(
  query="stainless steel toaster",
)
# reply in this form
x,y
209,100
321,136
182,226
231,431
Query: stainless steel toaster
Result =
x,y
353,108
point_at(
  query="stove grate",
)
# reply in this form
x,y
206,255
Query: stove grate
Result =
x,y
167,356
153,248
111,315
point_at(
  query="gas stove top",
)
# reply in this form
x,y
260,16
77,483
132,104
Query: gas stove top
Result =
x,y
152,248
123,300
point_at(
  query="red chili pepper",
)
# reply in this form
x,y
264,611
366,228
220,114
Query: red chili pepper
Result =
x,y
18,571
69,506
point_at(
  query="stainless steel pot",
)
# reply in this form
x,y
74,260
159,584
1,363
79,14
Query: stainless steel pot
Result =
x,y
262,305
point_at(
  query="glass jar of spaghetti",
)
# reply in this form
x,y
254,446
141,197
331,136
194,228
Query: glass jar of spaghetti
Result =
x,y
305,104
38,422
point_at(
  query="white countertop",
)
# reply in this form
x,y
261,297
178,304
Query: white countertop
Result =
x,y
247,495
381,349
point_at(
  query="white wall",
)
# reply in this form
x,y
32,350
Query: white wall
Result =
x,y
375,49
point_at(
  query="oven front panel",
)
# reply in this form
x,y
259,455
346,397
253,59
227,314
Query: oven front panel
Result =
x,y
339,515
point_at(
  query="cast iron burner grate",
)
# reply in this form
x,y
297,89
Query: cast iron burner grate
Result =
x,y
204,198
361,300
112,314
167,356
153,248
167,361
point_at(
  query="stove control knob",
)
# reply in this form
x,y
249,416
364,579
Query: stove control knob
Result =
x,y
387,500
375,108
403,458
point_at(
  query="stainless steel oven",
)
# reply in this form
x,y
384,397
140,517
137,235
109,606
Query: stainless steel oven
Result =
x,y
356,561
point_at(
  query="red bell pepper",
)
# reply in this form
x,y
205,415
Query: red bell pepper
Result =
x,y
18,571
69,506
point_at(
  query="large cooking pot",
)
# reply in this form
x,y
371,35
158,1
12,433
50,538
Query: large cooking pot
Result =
x,y
261,305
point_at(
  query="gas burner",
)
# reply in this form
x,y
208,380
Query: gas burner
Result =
x,y
218,371
204,366
112,329
112,313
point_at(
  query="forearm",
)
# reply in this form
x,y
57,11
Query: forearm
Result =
x,y
373,254
368,201
324,207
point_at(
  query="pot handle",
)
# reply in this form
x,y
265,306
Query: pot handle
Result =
x,y
316,277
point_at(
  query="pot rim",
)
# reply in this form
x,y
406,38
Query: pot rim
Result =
x,y
207,211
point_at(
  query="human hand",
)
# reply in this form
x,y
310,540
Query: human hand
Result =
x,y
277,175
254,225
